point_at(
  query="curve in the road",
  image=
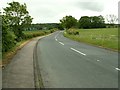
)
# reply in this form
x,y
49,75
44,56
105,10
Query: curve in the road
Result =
x,y
68,64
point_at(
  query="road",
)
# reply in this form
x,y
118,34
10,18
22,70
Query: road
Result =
x,y
65,63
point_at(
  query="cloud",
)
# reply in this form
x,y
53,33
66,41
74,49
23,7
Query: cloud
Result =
x,y
92,6
45,11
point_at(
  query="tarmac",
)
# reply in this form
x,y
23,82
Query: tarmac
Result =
x,y
20,72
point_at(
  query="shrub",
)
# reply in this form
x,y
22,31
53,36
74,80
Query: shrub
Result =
x,y
73,32
8,41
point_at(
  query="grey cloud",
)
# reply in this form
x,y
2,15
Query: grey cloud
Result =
x,y
93,6
53,10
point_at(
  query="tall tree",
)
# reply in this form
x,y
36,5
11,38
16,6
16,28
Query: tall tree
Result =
x,y
112,19
84,22
0,37
68,22
91,22
7,37
97,22
18,18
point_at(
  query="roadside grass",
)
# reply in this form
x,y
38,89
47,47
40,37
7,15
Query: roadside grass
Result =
x,y
102,37
6,56
35,33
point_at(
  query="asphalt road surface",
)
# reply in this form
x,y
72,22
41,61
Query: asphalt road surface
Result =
x,y
65,63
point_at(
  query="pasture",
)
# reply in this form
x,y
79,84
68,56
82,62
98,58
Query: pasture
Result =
x,y
103,37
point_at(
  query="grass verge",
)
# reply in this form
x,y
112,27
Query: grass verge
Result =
x,y
105,38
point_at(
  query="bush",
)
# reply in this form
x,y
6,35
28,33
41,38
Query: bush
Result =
x,y
73,32
31,34
8,41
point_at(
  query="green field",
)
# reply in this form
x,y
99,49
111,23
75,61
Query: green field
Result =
x,y
106,37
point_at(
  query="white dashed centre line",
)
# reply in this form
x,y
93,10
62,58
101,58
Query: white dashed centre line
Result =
x,y
61,43
56,39
117,69
56,36
78,51
98,60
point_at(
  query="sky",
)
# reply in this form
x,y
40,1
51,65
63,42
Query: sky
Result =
x,y
51,11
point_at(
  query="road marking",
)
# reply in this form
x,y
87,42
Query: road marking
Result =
x,y
56,36
61,43
78,51
56,39
98,60
117,69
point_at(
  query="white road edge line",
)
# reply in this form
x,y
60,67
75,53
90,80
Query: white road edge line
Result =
x,y
56,39
117,69
78,51
98,60
61,43
56,36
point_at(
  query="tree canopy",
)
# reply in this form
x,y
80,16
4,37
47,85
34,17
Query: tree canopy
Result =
x,y
15,19
84,22
68,22
18,17
91,22
111,18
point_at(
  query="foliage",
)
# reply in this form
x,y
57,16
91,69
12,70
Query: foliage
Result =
x,y
60,27
91,22
31,34
72,32
7,38
84,22
111,18
44,26
68,22
15,19
18,18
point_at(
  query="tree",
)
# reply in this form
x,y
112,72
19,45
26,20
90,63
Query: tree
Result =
x,y
7,37
68,22
97,22
84,22
112,19
0,33
60,27
91,22
18,18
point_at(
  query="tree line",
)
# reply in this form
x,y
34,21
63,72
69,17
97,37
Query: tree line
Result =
x,y
44,26
86,22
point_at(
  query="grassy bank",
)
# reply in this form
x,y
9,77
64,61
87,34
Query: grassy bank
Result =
x,y
107,37
6,56
31,34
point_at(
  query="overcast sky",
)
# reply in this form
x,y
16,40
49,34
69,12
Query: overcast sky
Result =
x,y
51,11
